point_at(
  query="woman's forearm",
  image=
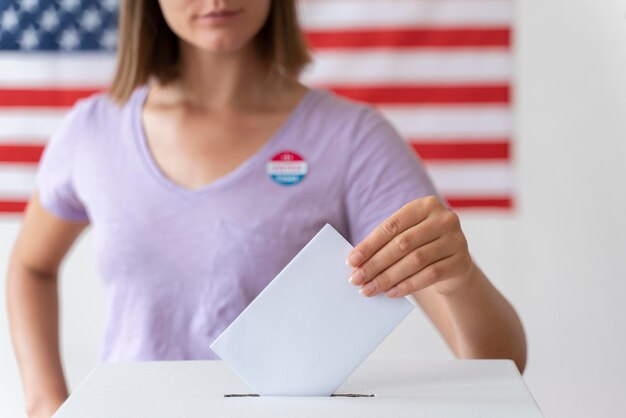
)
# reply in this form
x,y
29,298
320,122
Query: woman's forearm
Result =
x,y
485,324
33,306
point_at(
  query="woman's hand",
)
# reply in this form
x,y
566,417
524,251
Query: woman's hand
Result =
x,y
420,245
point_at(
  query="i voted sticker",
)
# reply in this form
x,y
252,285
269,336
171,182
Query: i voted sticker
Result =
x,y
287,168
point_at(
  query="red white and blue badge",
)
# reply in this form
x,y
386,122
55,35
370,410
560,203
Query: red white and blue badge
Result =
x,y
287,168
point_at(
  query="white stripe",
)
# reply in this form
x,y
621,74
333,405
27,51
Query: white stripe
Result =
x,y
330,66
459,179
476,122
466,179
25,125
340,14
348,67
459,123
55,70
17,181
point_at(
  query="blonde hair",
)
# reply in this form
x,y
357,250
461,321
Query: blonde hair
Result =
x,y
148,47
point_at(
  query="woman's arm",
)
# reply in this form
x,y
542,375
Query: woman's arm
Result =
x,y
421,251
476,320
32,302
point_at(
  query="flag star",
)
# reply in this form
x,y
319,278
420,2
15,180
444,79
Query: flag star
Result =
x,y
28,5
109,39
69,5
29,39
110,5
70,39
90,20
49,19
9,20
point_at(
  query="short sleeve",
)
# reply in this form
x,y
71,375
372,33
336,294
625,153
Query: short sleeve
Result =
x,y
55,181
383,175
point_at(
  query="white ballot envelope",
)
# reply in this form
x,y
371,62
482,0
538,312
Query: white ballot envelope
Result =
x,y
309,329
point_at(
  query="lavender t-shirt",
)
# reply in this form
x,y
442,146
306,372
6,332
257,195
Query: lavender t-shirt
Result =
x,y
178,265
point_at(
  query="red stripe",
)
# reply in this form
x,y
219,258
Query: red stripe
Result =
x,y
461,150
445,94
410,38
20,153
411,94
492,202
479,202
12,206
427,151
60,97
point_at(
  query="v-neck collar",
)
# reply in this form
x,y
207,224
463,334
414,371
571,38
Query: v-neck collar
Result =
x,y
264,153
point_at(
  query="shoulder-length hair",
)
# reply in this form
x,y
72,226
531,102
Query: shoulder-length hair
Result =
x,y
148,47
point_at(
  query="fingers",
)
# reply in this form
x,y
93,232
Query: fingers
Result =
x,y
414,262
407,216
426,277
393,251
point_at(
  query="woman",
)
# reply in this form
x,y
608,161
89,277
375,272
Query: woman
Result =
x,y
203,171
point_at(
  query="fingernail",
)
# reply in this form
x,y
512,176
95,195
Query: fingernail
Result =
x,y
369,289
355,259
393,292
357,277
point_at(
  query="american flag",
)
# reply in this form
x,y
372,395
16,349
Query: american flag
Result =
x,y
440,71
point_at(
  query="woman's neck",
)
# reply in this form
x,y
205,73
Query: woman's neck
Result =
x,y
224,82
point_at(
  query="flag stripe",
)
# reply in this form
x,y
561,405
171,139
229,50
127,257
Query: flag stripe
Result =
x,y
430,150
427,94
8,207
20,125
341,14
438,123
43,69
408,94
483,122
12,206
20,153
17,180
409,66
480,202
45,97
410,38
435,64
461,178
462,150
471,178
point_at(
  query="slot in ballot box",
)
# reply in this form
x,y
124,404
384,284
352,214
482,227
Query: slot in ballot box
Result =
x,y
377,389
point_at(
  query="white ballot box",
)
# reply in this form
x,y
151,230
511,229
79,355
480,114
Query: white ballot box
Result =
x,y
377,389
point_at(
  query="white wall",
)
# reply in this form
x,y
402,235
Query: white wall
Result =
x,y
559,257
